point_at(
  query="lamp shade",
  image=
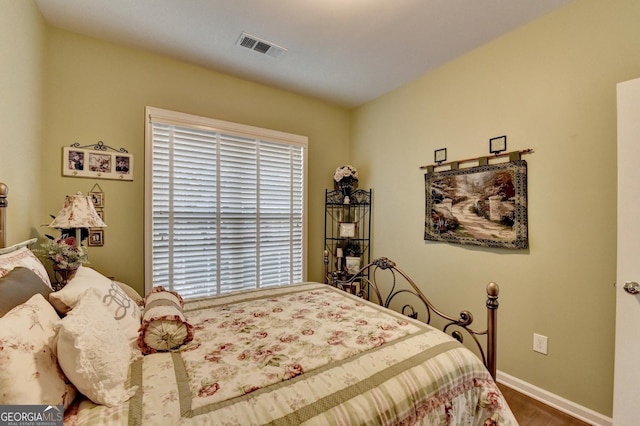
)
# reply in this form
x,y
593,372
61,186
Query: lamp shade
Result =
x,y
77,212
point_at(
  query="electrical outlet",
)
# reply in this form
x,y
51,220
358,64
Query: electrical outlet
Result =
x,y
540,343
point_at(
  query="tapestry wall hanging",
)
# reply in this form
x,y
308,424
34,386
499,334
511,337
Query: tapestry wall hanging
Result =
x,y
484,205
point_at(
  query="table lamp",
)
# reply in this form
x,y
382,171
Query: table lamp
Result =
x,y
77,212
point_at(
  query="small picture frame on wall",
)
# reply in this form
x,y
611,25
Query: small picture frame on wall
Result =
x,y
498,144
96,237
97,198
440,155
96,163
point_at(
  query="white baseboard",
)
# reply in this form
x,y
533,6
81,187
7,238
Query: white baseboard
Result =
x,y
559,403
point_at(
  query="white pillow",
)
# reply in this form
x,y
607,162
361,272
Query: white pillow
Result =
x,y
25,258
94,353
121,306
30,373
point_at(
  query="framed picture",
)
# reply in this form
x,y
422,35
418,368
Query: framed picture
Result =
x,y
497,145
97,198
347,230
440,155
353,264
81,162
484,205
96,237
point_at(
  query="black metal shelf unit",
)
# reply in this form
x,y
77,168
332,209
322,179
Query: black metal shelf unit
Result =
x,y
347,232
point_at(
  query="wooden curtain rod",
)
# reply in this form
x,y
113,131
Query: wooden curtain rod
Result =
x,y
515,154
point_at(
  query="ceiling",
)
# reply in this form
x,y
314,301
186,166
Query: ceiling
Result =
x,y
343,51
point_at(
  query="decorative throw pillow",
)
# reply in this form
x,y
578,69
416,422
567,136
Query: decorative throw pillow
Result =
x,y
124,310
30,373
93,351
164,326
18,286
129,291
25,258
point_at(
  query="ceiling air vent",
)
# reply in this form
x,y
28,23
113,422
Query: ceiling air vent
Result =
x,y
261,46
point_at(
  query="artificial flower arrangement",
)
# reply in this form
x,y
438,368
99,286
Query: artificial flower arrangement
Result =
x,y
64,253
347,172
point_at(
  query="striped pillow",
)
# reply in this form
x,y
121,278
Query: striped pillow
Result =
x,y
164,326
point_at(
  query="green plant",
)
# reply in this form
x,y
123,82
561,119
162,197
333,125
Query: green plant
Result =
x,y
352,249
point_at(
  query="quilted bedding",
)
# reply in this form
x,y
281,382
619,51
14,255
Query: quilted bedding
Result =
x,y
305,354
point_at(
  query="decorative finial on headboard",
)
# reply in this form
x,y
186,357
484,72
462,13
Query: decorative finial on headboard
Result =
x,y
4,190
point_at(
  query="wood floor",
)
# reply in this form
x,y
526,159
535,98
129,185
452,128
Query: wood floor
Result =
x,y
530,412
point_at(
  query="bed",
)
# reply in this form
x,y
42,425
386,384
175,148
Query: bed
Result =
x,y
308,353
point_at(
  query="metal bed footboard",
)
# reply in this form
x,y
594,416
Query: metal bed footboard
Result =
x,y
366,286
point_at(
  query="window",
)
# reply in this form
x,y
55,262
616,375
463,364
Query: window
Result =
x,y
224,205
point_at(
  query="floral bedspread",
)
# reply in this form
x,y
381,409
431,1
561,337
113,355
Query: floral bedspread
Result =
x,y
306,354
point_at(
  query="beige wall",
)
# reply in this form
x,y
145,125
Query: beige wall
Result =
x,y
98,91
21,100
549,86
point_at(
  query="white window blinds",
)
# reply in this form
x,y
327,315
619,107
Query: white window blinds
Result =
x,y
225,205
